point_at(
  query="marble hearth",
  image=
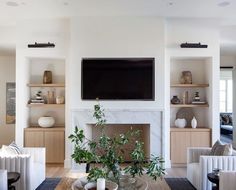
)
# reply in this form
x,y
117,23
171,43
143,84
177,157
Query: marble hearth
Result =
x,y
149,118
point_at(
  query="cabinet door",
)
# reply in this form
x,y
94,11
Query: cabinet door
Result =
x,y
34,139
55,146
200,139
179,143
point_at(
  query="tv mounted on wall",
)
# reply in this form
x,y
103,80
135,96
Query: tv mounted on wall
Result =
x,y
118,78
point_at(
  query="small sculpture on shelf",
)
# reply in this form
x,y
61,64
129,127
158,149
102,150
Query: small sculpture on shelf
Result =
x,y
185,97
186,77
51,97
38,98
197,99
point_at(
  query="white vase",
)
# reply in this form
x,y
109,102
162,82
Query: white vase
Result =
x,y
194,122
181,123
46,121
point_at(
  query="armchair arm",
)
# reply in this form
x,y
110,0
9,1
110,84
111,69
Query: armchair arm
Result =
x,y
3,180
38,154
193,154
227,180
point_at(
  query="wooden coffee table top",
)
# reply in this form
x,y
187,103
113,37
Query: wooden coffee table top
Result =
x,y
66,182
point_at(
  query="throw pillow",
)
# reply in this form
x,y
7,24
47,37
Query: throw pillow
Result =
x,y
15,147
10,150
7,151
225,119
220,149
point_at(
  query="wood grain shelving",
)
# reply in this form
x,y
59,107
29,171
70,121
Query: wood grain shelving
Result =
x,y
189,85
188,105
47,105
46,85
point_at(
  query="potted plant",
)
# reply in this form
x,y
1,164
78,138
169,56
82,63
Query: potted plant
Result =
x,y
107,153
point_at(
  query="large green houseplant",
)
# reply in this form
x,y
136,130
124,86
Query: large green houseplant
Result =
x,y
108,153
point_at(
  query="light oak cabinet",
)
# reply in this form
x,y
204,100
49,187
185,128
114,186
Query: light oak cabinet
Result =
x,y
181,139
53,139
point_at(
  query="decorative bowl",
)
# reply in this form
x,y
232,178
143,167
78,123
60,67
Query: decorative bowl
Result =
x,y
46,121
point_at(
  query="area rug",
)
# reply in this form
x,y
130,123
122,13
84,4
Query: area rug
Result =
x,y
174,184
179,184
49,184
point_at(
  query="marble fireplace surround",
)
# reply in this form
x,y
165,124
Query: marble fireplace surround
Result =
x,y
154,118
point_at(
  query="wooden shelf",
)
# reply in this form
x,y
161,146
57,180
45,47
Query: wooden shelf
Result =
x,y
46,85
189,85
188,105
188,128
38,128
47,105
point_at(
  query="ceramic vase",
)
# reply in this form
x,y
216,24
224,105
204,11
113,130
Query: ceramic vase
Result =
x,y
175,100
181,123
47,77
194,122
46,121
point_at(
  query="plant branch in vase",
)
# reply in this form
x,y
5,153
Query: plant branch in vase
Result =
x,y
108,153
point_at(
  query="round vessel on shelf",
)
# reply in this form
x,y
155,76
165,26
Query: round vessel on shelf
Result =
x,y
46,121
175,100
180,123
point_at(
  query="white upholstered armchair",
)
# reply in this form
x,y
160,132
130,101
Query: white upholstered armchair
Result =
x,y
30,165
200,163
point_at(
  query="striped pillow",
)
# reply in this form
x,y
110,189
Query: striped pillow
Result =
x,y
14,147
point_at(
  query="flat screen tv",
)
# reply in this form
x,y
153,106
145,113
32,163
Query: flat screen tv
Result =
x,y
118,78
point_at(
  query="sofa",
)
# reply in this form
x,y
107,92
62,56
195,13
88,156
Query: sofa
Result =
x,y
3,180
200,163
226,123
30,164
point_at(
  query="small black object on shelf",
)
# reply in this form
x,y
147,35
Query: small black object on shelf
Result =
x,y
193,45
41,45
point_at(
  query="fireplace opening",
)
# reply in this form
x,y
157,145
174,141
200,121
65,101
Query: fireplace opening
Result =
x,y
113,130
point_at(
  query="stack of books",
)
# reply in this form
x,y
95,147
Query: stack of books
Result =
x,y
37,101
198,102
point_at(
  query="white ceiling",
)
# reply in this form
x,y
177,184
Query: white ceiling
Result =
x,y
168,8
225,10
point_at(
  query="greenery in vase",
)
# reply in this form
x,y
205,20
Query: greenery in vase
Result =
x,y
108,152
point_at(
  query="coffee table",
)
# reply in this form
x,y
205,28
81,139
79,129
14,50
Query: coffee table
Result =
x,y
160,184
214,179
12,177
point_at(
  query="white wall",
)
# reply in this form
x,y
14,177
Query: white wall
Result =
x,y
41,31
227,60
205,31
116,37
7,74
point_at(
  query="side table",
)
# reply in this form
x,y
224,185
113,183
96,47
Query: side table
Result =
x,y
12,177
214,179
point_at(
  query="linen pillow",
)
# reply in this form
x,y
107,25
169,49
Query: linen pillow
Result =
x,y
10,150
220,149
14,146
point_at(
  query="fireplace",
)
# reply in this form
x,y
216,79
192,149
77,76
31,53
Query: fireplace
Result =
x,y
120,120
112,130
